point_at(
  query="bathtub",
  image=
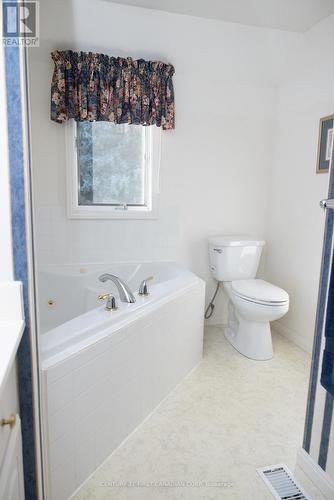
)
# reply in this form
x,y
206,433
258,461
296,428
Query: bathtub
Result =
x,y
104,372
67,291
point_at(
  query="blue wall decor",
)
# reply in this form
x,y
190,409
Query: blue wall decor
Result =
x,y
16,166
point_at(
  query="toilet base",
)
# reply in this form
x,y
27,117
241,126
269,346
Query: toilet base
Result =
x,y
250,338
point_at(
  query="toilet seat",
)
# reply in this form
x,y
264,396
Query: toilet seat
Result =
x,y
260,292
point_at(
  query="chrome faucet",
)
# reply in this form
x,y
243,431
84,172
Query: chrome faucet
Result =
x,y
111,301
124,291
143,288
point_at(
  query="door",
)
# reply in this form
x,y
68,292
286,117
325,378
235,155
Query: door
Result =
x,y
11,478
318,425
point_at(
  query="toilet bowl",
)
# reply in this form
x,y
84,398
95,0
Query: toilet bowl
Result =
x,y
253,304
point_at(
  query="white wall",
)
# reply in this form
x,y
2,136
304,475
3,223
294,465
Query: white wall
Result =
x,y
295,223
215,165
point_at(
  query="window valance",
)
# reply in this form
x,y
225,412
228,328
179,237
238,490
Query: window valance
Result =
x,y
98,87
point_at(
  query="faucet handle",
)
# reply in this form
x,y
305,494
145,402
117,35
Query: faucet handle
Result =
x,y
111,301
143,289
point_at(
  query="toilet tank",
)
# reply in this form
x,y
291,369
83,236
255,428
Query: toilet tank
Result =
x,y
234,257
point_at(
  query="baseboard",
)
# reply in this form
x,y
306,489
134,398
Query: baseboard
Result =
x,y
315,473
293,336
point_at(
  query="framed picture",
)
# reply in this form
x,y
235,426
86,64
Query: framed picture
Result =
x,y
325,144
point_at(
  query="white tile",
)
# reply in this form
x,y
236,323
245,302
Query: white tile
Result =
x,y
85,426
84,459
111,356
59,370
61,422
86,376
60,449
87,401
63,480
107,438
60,393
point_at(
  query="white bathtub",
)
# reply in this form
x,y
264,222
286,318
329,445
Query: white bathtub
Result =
x,y
104,372
73,289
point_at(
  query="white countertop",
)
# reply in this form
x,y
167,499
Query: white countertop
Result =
x,y
10,337
11,326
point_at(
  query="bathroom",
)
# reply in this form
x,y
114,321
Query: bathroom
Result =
x,y
153,385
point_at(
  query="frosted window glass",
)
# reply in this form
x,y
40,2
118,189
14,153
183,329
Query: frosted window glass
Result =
x,y
111,163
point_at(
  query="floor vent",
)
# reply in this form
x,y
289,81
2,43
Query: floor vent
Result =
x,y
281,483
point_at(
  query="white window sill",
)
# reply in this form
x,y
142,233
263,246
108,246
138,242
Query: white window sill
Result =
x,y
75,211
95,213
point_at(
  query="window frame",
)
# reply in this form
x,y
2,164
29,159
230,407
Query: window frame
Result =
x,y
104,211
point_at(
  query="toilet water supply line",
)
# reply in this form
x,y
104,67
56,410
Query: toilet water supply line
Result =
x,y
211,306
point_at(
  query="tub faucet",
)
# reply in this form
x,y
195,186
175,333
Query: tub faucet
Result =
x,y
111,301
143,289
124,291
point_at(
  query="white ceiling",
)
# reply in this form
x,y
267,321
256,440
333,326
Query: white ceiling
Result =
x,y
289,15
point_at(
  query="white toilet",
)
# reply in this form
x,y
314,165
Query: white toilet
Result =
x,y
253,303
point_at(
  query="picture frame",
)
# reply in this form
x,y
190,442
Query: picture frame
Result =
x,y
325,143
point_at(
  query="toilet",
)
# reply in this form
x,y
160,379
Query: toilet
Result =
x,y
253,303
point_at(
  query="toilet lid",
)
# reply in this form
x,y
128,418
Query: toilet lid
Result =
x,y
260,291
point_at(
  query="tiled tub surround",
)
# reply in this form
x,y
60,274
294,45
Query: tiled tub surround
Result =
x,y
103,373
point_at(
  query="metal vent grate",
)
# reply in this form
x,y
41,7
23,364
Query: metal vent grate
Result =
x,y
281,483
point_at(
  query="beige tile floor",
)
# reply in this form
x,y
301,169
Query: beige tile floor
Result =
x,y
229,416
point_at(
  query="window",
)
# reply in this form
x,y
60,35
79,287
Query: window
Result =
x,y
113,170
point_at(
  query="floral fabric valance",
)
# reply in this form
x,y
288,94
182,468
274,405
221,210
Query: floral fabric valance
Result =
x,y
97,87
